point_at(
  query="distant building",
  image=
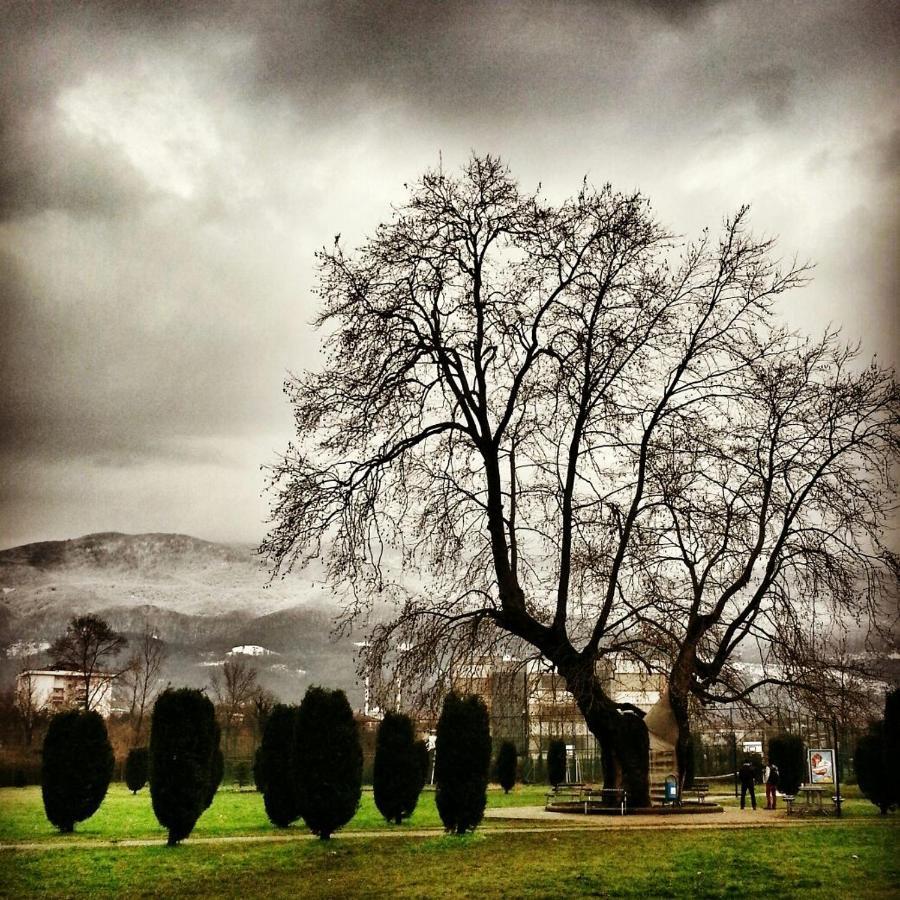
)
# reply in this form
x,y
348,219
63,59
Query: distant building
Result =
x,y
529,705
56,689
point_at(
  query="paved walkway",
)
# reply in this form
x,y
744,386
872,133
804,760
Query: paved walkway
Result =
x,y
549,822
727,818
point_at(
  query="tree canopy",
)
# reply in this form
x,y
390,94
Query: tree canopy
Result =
x,y
88,644
586,439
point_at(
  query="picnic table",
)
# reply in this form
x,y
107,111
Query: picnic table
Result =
x,y
812,794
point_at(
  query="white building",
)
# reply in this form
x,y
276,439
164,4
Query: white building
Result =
x,y
54,690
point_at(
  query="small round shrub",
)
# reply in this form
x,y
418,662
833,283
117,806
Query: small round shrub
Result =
x,y
506,765
462,762
397,778
136,767
77,766
328,761
556,762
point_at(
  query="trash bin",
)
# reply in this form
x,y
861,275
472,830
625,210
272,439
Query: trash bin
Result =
x,y
671,795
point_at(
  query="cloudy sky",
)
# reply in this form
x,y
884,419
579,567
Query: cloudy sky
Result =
x,y
168,169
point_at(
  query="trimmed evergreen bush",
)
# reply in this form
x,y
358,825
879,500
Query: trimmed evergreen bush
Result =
x,y
185,761
892,743
787,752
423,763
274,770
506,765
876,757
556,762
872,768
328,761
216,770
136,765
76,768
462,761
241,774
397,776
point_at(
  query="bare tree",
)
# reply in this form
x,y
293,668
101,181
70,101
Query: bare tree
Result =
x,y
142,678
235,691
85,648
26,700
770,510
504,385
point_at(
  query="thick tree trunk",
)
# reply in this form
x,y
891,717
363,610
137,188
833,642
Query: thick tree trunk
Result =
x,y
624,740
679,696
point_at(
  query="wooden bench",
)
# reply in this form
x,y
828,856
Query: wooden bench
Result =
x,y
588,796
699,789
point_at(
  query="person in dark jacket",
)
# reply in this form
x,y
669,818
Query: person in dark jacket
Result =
x,y
746,775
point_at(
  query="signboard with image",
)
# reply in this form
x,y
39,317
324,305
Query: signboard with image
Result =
x,y
821,766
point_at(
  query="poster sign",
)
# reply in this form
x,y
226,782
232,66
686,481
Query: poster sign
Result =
x,y
821,766
752,746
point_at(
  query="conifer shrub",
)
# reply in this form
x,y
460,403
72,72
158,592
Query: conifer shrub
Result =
x,y
76,767
328,761
397,773
556,762
241,774
185,760
274,768
787,752
259,777
506,765
216,771
462,762
423,763
892,743
136,766
876,757
872,769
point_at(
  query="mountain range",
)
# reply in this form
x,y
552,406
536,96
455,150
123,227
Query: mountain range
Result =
x,y
205,600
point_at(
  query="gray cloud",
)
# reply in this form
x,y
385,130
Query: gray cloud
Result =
x,y
167,169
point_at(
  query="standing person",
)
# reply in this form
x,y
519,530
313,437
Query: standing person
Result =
x,y
771,780
746,776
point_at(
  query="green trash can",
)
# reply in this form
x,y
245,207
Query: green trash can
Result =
x,y
671,795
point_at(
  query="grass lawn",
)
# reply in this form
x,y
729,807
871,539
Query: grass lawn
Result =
x,y
823,860
818,857
124,815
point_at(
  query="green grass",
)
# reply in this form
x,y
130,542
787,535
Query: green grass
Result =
x,y
124,816
831,860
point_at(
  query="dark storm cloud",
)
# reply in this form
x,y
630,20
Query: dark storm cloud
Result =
x,y
167,169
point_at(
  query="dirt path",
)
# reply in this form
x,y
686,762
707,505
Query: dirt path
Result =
x,y
551,822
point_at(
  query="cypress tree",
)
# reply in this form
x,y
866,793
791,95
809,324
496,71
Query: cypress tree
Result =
x,y
556,762
872,769
423,763
136,764
397,776
876,757
892,743
328,761
274,770
506,765
217,766
184,759
76,768
462,761
786,751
